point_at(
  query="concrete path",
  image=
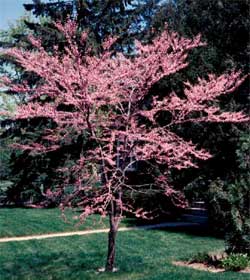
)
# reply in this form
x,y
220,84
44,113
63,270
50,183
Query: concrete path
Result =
x,y
86,232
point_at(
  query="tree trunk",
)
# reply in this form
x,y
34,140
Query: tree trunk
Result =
x,y
114,220
111,242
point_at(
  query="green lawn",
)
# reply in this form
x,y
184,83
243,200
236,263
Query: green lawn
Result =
x,y
144,255
23,221
141,255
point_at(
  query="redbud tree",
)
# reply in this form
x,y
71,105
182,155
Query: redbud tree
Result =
x,y
107,94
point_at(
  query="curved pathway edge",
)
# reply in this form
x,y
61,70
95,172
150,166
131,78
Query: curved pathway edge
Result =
x,y
86,232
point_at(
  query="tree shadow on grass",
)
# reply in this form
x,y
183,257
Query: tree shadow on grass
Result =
x,y
51,266
195,229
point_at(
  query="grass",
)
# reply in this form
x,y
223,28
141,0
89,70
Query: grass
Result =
x,y
141,255
27,221
24,221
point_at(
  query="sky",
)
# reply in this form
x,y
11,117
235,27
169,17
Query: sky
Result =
x,y
10,10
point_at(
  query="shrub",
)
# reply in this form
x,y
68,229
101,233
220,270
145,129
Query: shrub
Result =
x,y
235,262
211,258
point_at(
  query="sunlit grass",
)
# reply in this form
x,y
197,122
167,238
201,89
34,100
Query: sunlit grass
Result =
x,y
144,255
141,255
23,221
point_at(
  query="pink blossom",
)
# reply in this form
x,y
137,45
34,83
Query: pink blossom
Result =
x,y
105,94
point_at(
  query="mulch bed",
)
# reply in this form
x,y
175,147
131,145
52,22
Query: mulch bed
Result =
x,y
204,267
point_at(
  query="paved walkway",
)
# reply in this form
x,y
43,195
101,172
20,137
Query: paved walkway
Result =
x,y
86,232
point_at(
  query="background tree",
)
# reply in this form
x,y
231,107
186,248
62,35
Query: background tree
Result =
x,y
229,198
126,18
104,98
225,27
8,102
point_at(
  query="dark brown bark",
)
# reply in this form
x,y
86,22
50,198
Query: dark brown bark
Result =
x,y
114,220
112,243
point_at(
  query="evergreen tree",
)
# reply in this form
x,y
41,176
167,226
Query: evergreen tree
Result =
x,y
224,26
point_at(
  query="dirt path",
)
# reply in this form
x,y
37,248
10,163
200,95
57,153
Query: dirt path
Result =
x,y
85,232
